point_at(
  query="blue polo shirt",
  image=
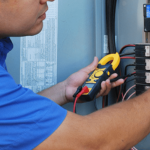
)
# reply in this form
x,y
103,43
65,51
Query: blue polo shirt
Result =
x,y
26,119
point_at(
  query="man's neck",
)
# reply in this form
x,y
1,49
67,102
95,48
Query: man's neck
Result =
x,y
1,37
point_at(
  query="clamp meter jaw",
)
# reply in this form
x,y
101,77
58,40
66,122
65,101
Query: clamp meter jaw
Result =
x,y
101,73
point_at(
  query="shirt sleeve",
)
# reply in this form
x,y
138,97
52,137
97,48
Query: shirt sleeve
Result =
x,y
26,119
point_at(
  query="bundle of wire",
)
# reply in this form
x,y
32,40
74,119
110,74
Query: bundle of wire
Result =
x,y
123,87
110,29
122,56
110,24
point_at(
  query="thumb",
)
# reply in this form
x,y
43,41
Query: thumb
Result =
x,y
92,66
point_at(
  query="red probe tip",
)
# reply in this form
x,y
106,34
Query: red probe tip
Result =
x,y
84,90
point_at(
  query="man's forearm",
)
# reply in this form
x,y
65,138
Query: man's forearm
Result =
x,y
118,127
56,93
123,125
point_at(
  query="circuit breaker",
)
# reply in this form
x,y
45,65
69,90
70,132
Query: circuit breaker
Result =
x,y
142,67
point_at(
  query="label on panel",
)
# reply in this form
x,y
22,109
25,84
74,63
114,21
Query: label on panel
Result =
x,y
38,54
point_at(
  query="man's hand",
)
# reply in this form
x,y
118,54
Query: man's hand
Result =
x,y
78,78
62,92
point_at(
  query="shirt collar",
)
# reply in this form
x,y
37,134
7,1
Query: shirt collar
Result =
x,y
6,45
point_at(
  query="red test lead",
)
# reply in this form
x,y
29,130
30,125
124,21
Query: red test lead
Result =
x,y
84,90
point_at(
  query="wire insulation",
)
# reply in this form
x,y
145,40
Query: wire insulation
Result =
x,y
131,95
127,57
129,45
126,54
127,92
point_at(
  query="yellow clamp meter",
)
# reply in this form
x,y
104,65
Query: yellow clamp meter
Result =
x,y
101,73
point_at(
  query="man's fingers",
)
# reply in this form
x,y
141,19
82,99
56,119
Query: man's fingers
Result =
x,y
117,83
106,86
91,67
103,88
114,75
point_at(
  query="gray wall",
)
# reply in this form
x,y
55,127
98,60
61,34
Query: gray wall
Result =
x,y
79,39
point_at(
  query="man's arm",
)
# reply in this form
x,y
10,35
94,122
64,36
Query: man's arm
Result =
x,y
56,93
118,127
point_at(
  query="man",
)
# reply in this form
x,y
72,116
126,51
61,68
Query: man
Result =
x,y
29,121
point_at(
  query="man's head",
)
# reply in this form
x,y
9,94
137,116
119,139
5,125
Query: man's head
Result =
x,y
22,17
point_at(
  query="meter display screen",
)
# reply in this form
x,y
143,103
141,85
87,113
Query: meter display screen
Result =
x,y
148,11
